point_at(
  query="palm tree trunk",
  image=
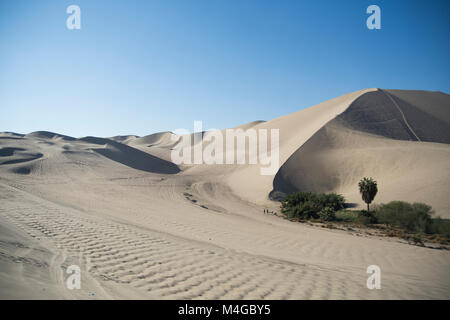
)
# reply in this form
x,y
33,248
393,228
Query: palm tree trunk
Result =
x,y
367,208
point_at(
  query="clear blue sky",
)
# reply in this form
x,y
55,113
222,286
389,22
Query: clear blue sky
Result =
x,y
138,67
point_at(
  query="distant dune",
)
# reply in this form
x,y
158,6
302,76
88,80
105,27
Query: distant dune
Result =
x,y
124,139
161,139
49,135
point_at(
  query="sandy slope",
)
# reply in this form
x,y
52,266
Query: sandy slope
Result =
x,y
156,232
410,160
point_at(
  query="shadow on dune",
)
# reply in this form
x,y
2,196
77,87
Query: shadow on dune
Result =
x,y
7,152
22,170
131,157
27,157
10,138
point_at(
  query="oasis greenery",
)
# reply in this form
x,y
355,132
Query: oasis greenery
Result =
x,y
309,205
415,218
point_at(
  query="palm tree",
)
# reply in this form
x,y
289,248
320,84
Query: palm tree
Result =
x,y
368,189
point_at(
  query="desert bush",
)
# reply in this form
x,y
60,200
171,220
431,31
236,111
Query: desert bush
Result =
x,y
307,205
327,214
332,200
304,210
366,217
440,226
414,217
346,215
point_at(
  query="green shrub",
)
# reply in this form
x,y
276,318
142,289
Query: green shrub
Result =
x,y
332,200
440,226
305,211
307,205
346,215
327,214
354,216
366,217
411,217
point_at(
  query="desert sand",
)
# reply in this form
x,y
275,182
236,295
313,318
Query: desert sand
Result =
x,y
142,227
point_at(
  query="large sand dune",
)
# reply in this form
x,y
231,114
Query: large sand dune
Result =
x,y
141,227
403,146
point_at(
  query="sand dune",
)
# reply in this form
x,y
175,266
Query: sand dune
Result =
x,y
365,140
124,139
11,135
161,138
49,135
131,157
140,227
295,130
